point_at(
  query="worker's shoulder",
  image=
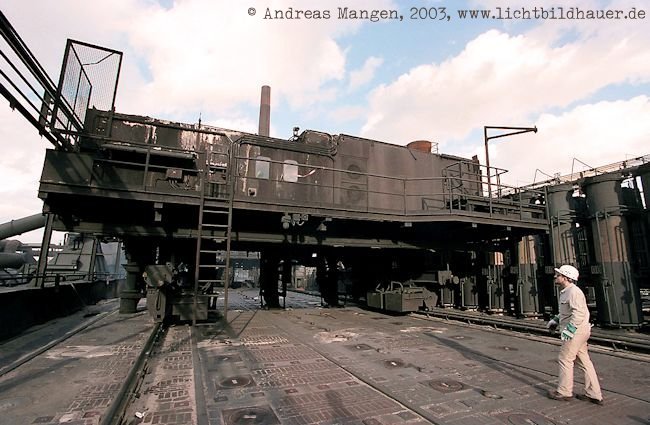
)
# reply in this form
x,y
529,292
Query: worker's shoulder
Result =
x,y
575,291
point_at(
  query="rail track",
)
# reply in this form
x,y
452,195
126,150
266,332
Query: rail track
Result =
x,y
214,370
186,362
30,355
78,369
618,341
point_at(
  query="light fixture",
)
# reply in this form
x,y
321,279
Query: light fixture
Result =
x,y
577,192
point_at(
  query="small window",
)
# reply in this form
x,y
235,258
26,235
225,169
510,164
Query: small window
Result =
x,y
262,166
290,171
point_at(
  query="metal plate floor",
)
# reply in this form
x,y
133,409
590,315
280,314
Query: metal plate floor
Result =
x,y
307,365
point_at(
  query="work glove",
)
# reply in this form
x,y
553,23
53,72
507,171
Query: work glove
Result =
x,y
552,324
568,332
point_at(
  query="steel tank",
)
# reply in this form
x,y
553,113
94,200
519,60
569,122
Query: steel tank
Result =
x,y
448,286
527,300
617,293
469,292
492,273
564,210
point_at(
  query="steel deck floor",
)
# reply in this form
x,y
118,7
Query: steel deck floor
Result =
x,y
308,365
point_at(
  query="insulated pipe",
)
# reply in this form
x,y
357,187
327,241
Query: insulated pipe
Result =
x,y
11,260
21,225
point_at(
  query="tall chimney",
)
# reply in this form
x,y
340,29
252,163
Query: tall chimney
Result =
x,y
265,111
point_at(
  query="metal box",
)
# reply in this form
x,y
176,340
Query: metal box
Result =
x,y
375,299
408,298
183,307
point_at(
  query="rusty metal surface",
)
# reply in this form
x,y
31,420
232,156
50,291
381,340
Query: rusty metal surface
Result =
x,y
309,365
166,394
325,366
75,381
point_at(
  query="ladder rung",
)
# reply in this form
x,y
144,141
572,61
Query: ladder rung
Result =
x,y
210,251
211,280
215,211
221,239
216,266
215,226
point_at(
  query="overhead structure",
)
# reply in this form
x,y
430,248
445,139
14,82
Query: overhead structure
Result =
x,y
361,213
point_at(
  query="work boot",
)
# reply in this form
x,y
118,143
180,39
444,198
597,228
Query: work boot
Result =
x,y
585,397
557,396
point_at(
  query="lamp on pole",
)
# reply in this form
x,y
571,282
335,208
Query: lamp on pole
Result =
x,y
510,131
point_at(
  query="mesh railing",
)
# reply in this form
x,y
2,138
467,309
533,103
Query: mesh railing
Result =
x,y
89,77
604,169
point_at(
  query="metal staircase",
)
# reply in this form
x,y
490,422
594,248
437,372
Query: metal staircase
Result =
x,y
212,268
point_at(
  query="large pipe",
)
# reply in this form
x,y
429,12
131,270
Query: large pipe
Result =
x,y
265,112
14,255
11,260
21,225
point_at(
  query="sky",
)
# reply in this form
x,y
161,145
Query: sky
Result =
x,y
584,83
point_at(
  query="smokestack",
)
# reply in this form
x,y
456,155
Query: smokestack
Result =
x,y
265,111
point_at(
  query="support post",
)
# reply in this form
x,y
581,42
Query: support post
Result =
x,y
45,249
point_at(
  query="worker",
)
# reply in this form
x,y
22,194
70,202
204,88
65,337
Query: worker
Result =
x,y
575,330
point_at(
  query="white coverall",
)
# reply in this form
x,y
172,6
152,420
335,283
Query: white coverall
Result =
x,y
573,309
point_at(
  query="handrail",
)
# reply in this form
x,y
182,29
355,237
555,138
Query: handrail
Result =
x,y
373,193
404,189
36,116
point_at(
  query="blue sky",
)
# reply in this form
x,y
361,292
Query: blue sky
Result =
x,y
584,83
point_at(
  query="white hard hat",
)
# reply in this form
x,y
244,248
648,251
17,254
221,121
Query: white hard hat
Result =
x,y
568,271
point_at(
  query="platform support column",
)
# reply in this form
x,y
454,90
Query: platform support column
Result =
x,y
39,282
129,296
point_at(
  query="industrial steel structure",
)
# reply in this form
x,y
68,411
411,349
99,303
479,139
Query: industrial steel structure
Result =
x,y
182,197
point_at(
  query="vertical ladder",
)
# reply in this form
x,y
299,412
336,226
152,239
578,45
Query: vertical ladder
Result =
x,y
212,268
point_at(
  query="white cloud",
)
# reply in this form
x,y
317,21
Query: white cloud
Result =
x,y
346,113
200,55
214,56
21,162
502,79
596,135
365,74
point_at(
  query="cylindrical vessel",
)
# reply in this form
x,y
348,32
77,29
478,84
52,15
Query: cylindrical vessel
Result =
x,y
130,296
420,145
469,291
563,209
617,293
527,293
492,275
